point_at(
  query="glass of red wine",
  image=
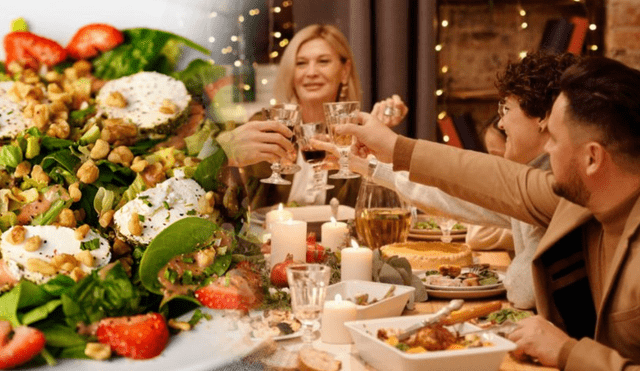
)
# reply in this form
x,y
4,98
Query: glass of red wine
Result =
x,y
307,135
287,114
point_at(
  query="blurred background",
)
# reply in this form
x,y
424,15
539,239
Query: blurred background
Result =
x,y
440,56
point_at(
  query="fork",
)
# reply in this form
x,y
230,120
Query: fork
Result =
x,y
503,329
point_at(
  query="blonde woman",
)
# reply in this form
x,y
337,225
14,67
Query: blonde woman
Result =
x,y
316,67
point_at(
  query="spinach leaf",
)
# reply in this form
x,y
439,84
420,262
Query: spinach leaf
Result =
x,y
63,158
39,313
59,335
198,74
142,50
52,143
10,156
208,170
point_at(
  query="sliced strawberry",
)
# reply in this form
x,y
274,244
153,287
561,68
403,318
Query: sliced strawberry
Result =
x,y
93,39
25,344
234,291
31,50
140,337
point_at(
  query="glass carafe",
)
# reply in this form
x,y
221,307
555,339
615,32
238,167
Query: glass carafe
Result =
x,y
382,217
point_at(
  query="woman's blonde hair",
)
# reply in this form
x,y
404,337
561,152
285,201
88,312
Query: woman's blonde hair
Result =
x,y
284,90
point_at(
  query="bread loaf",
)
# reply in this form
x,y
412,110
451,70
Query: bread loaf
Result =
x,y
281,360
311,359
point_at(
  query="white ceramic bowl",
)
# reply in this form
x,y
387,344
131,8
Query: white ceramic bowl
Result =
x,y
389,307
385,357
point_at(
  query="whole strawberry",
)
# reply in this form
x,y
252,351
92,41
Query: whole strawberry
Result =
x,y
140,337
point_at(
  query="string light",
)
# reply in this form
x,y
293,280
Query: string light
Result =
x,y
439,92
593,27
522,12
237,63
524,25
284,43
522,54
213,14
445,139
445,69
445,23
287,3
247,87
253,12
272,101
277,34
212,39
594,47
241,19
277,9
274,54
264,81
234,38
442,115
438,47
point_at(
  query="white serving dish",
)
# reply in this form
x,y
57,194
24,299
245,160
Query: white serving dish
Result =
x,y
389,307
385,357
314,215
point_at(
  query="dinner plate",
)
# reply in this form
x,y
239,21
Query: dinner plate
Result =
x,y
435,237
209,345
467,288
468,294
436,232
297,334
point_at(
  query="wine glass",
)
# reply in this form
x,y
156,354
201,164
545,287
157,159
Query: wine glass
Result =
x,y
337,113
446,224
308,286
287,114
305,133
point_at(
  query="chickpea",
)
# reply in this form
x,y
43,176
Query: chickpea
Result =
x,y
88,172
39,175
81,232
23,169
134,224
67,219
100,149
121,155
106,218
33,243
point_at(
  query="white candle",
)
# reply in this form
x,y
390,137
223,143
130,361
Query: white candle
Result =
x,y
278,215
334,314
333,234
288,237
356,263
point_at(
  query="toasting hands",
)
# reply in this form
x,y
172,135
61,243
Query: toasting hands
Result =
x,y
390,111
373,135
257,141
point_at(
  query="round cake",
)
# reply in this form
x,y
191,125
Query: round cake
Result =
x,y
429,255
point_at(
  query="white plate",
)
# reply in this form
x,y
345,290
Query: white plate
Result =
x,y
293,335
468,294
210,345
467,288
436,237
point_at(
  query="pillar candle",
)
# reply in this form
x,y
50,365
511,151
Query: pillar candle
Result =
x,y
333,234
288,237
278,215
334,314
356,263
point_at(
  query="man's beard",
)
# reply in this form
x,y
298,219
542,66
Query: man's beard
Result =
x,y
573,190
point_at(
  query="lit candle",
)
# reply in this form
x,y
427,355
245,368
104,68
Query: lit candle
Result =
x,y
334,234
278,215
334,314
288,237
356,263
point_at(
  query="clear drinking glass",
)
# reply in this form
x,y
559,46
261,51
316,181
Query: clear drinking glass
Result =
x,y
342,113
287,114
308,286
305,134
446,225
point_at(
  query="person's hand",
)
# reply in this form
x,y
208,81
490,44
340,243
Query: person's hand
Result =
x,y
375,136
331,160
257,141
390,111
358,164
540,339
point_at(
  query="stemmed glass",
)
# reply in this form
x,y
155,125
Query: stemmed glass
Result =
x,y
308,286
287,114
305,133
342,113
445,224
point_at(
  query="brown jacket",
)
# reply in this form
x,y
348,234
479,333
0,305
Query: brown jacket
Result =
x,y
563,294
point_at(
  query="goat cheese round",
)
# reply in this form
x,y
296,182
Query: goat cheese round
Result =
x,y
158,207
55,241
11,117
145,94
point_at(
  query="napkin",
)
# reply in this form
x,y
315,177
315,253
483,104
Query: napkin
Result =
x,y
397,271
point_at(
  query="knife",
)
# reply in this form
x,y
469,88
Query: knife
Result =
x,y
439,315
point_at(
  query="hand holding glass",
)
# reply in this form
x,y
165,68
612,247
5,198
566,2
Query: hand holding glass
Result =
x,y
306,133
287,114
308,285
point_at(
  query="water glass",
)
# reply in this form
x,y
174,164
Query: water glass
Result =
x,y
308,286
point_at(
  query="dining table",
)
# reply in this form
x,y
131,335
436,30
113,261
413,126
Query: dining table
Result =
x,y
348,355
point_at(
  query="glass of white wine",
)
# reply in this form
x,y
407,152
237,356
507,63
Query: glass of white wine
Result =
x,y
308,286
446,225
287,114
338,113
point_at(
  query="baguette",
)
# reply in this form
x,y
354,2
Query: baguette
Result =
x,y
311,359
466,314
281,360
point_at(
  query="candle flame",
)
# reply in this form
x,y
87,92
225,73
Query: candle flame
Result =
x,y
338,298
333,220
354,244
280,207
